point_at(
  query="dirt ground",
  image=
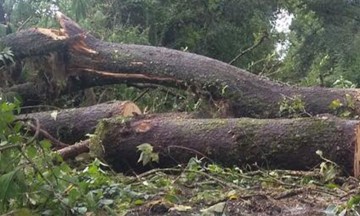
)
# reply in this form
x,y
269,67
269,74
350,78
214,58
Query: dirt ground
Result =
x,y
277,196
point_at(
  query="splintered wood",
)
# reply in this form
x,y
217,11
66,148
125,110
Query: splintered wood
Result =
x,y
128,108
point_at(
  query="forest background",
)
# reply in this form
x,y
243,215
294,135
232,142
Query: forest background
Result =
x,y
299,42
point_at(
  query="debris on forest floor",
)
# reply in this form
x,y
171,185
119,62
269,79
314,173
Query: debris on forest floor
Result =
x,y
213,190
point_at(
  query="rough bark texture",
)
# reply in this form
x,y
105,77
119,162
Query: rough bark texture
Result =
x,y
281,143
92,62
34,42
72,125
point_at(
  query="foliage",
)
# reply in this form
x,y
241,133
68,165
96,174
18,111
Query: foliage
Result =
x,y
35,179
293,107
147,155
323,41
6,55
343,83
344,109
211,28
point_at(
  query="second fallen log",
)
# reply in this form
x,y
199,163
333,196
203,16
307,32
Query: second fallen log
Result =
x,y
277,143
72,125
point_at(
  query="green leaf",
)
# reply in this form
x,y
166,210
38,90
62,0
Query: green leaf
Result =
x,y
80,210
145,147
8,185
22,212
331,210
74,194
335,104
171,198
139,202
345,114
46,144
355,200
31,151
106,201
147,155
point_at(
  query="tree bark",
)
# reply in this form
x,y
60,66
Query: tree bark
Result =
x,y
72,125
278,143
91,62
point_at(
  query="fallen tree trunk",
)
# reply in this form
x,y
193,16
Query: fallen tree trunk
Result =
x,y
90,62
280,143
78,148
72,125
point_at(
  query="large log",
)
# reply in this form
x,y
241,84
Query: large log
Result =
x,y
72,125
90,62
277,143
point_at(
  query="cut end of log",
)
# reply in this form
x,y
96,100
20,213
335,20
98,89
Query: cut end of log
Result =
x,y
128,108
357,153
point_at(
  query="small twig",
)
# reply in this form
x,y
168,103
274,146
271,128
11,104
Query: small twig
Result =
x,y
298,173
40,106
102,96
37,130
74,150
321,189
26,21
265,35
48,136
141,95
6,147
255,63
222,182
289,193
150,172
